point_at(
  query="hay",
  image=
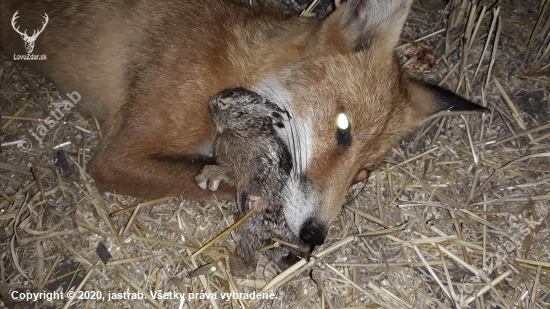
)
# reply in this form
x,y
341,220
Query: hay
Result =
x,y
458,216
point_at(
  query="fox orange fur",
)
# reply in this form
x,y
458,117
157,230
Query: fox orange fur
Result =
x,y
148,69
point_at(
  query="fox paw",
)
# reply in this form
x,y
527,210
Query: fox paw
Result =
x,y
210,177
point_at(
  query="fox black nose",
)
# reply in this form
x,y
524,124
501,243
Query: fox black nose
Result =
x,y
312,233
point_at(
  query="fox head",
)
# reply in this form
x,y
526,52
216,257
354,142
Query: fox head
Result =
x,y
349,102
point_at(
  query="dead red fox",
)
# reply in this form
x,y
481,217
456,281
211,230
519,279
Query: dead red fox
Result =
x,y
148,69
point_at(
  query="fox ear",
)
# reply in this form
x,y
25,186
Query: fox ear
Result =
x,y
373,22
429,101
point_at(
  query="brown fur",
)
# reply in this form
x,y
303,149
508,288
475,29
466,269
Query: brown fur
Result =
x,y
253,159
258,232
251,156
148,68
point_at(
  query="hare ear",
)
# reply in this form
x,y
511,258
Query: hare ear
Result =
x,y
279,117
429,101
366,23
225,103
274,111
281,114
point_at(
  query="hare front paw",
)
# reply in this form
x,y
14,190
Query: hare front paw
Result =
x,y
211,176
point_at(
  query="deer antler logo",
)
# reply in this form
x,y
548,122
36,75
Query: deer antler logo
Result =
x,y
29,40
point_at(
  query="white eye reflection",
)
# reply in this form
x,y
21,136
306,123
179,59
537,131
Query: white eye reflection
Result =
x,y
342,121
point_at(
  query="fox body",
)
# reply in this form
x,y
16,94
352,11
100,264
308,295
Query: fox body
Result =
x,y
148,69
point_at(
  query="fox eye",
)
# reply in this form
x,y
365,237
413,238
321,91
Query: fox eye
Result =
x,y
343,130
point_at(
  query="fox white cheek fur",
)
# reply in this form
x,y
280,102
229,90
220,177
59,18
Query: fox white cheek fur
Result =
x,y
300,197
